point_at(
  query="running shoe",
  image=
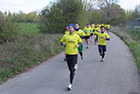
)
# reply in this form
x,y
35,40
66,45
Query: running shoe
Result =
x,y
82,57
69,86
65,59
76,67
101,54
102,60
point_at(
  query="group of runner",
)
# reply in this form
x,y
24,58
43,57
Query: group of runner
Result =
x,y
73,42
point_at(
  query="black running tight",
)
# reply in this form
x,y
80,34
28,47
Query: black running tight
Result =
x,y
101,51
71,61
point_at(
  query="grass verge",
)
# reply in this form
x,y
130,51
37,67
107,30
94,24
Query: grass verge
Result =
x,y
28,51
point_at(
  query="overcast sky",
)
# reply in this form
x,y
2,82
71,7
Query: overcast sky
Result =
x,y
33,5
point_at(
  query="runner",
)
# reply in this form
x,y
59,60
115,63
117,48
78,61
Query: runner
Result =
x,y
108,27
96,30
66,32
91,32
99,25
102,25
102,42
82,35
87,34
93,24
72,42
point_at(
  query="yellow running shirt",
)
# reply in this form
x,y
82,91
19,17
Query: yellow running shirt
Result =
x,y
91,30
102,25
99,26
71,41
66,32
102,41
96,30
87,30
108,26
80,33
93,25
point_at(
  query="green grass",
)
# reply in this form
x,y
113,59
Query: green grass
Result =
x,y
29,49
27,52
135,33
133,44
28,28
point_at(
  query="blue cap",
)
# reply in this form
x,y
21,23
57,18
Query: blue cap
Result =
x,y
71,25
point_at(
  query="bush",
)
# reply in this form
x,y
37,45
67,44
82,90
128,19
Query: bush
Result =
x,y
8,30
54,19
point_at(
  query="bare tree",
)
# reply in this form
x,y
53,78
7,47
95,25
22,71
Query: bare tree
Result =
x,y
109,9
89,4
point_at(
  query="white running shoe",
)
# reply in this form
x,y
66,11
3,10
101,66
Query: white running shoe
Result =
x,y
76,67
69,86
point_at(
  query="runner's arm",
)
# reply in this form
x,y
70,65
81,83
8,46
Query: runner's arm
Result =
x,y
79,41
81,36
62,40
107,37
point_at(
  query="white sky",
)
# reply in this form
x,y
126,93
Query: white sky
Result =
x,y
33,5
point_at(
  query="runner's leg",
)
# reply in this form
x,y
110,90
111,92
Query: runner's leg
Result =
x,y
100,50
104,50
71,61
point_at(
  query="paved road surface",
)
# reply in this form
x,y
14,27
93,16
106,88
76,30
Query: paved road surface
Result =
x,y
116,75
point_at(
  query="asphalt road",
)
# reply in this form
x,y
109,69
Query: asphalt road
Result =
x,y
116,75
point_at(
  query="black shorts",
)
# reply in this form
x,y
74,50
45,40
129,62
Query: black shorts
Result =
x,y
102,47
91,34
107,29
87,37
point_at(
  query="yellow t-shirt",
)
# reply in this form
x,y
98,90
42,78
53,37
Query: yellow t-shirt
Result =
x,y
71,41
102,41
96,30
80,33
99,26
93,25
108,26
87,30
91,30
102,25
66,32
